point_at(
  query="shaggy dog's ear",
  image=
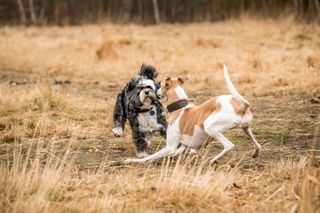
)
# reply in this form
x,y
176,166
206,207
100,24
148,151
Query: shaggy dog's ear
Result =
x,y
133,83
148,71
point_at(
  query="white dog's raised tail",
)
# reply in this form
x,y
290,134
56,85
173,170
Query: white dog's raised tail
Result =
x,y
231,87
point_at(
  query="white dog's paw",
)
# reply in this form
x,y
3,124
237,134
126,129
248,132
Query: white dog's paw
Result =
x,y
148,142
214,161
117,131
142,154
193,151
130,160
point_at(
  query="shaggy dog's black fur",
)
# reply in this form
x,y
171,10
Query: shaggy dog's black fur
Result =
x,y
139,103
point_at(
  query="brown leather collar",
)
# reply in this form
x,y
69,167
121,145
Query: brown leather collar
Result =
x,y
177,105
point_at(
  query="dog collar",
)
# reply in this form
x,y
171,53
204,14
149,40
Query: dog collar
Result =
x,y
142,110
177,105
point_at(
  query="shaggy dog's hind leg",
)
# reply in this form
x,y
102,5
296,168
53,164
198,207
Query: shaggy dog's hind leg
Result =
x,y
139,137
140,143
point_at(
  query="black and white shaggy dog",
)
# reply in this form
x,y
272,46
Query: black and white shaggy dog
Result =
x,y
139,103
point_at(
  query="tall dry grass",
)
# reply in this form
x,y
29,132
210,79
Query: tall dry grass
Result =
x,y
31,179
30,185
41,179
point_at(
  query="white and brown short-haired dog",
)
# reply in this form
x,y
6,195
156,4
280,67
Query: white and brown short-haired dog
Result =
x,y
191,126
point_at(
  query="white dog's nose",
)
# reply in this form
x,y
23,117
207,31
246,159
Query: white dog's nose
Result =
x,y
159,93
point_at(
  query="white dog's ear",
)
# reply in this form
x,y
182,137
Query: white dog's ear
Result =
x,y
167,78
182,79
167,82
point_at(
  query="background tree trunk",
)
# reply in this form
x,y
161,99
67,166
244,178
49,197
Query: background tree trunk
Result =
x,y
317,6
32,13
147,11
23,19
156,11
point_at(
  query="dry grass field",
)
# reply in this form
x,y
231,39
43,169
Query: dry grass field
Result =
x,y
57,92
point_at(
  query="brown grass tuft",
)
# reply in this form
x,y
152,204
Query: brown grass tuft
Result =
x,y
207,43
106,51
309,191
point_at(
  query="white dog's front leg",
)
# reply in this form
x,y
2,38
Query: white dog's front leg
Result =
x,y
162,153
179,150
173,140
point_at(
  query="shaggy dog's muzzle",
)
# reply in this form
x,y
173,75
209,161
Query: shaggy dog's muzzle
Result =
x,y
147,96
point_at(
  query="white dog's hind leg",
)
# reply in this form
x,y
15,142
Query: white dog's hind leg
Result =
x,y
256,145
216,124
227,145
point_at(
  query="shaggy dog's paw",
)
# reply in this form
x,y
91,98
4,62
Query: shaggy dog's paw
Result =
x,y
117,131
142,154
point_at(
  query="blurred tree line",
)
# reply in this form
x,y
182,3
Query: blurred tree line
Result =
x,y
71,12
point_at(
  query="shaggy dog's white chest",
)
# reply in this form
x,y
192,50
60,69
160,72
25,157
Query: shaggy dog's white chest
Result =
x,y
148,121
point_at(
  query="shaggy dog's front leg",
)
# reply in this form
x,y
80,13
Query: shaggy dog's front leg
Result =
x,y
141,143
119,115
